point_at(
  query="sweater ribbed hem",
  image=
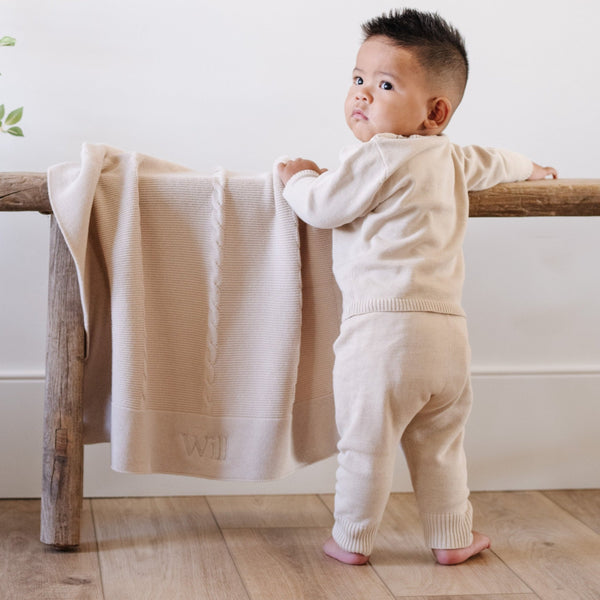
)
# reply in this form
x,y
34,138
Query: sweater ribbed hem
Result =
x,y
354,538
369,305
447,531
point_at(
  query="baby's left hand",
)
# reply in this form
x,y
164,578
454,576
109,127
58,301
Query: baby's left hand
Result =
x,y
540,172
289,169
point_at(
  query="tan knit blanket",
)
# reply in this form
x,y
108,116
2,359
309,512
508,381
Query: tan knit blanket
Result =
x,y
210,314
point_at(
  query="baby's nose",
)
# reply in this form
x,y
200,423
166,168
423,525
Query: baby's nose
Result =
x,y
364,95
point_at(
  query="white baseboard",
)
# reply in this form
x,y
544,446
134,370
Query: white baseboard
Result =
x,y
528,430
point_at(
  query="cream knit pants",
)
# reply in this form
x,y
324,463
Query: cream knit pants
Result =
x,y
402,377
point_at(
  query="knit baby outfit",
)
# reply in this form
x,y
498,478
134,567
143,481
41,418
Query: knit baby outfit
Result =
x,y
398,208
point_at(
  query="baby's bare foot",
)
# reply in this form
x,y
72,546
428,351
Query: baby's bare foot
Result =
x,y
350,558
456,556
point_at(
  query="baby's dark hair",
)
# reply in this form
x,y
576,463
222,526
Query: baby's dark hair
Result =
x,y
438,46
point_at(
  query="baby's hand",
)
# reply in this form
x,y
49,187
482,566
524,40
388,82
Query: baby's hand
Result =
x,y
542,172
288,169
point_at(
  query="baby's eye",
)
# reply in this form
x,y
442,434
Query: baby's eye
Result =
x,y
385,85
358,80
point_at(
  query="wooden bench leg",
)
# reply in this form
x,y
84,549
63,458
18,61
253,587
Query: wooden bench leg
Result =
x,y
62,482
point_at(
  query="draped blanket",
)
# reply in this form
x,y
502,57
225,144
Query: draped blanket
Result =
x,y
210,313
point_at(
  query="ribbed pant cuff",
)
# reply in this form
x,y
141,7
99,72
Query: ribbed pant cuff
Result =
x,y
447,531
354,538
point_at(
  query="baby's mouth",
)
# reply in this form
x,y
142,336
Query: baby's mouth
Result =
x,y
359,115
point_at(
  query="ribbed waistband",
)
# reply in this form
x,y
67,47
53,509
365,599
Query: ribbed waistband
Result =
x,y
368,305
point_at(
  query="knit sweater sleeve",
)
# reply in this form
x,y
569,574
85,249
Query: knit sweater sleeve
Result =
x,y
486,167
336,198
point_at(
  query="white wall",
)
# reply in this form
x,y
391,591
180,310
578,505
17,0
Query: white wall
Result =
x,y
238,83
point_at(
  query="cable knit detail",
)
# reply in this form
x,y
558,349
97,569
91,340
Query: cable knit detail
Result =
x,y
214,292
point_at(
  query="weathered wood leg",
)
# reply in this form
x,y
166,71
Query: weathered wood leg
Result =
x,y
62,483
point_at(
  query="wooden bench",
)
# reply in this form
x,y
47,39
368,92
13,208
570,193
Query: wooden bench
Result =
x,y
62,480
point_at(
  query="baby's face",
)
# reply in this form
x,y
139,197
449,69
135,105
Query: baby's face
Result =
x,y
388,92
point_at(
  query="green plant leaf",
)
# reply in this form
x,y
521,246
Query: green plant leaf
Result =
x,y
14,116
7,41
1,112
15,131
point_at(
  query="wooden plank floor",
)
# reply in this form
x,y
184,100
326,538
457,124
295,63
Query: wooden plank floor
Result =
x,y
545,545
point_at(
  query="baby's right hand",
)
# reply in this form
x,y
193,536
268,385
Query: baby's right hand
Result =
x,y
288,169
542,172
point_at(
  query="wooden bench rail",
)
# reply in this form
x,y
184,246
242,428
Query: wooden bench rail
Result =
x,y
24,192
62,481
547,198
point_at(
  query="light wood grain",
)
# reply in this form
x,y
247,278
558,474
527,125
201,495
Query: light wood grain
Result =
x,y
555,554
479,597
163,548
270,511
408,568
582,504
31,571
288,563
160,548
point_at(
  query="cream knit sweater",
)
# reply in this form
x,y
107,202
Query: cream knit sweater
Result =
x,y
210,315
399,209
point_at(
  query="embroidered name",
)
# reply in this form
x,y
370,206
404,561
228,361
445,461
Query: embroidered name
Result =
x,y
206,446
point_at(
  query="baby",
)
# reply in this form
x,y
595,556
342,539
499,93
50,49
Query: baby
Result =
x,y
398,208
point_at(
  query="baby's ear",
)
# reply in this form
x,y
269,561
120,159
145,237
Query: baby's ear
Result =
x,y
440,111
